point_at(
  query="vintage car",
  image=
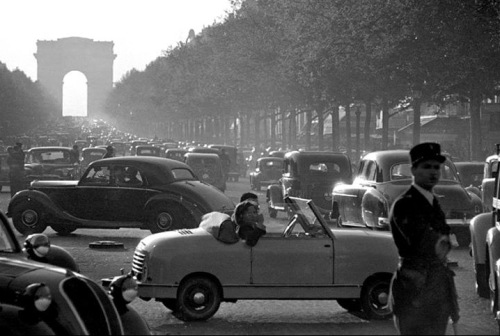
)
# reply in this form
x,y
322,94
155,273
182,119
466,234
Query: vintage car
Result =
x,y
50,163
280,154
488,272
309,174
267,171
191,271
147,150
121,148
481,224
170,197
242,163
175,154
208,168
382,177
4,171
43,293
471,174
232,152
91,154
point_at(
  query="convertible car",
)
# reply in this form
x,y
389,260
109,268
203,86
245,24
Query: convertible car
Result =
x,y
382,177
191,271
168,196
43,293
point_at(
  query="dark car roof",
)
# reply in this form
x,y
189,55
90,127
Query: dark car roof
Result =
x,y
270,158
49,148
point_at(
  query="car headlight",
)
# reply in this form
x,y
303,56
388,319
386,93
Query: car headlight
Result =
x,y
124,288
37,296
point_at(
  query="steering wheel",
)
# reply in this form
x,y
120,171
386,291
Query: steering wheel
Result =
x,y
289,229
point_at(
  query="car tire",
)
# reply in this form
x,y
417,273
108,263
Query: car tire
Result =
x,y
375,297
170,304
27,218
351,305
494,295
63,230
168,217
482,275
273,213
198,299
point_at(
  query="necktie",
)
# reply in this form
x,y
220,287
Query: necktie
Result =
x,y
435,202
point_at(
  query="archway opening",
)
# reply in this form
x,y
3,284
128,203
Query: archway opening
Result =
x,y
75,94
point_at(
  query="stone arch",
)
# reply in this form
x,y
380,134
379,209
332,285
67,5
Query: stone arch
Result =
x,y
94,59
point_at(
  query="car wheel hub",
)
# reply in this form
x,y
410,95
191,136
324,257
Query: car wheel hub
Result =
x,y
164,221
199,298
29,218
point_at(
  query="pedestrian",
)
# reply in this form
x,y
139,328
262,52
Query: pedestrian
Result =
x,y
423,295
15,161
74,154
110,152
226,163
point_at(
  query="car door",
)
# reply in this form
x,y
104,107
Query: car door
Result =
x,y
92,194
128,199
297,260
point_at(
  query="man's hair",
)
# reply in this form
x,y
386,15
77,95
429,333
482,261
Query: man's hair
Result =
x,y
248,195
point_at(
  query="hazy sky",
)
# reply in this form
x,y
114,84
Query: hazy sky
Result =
x,y
140,29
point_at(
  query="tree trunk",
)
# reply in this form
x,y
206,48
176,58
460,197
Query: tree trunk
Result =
x,y
475,153
273,129
335,128
385,123
417,102
368,120
321,127
283,129
308,129
348,129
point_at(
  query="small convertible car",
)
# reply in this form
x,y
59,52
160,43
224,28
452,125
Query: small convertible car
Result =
x,y
267,171
382,177
43,293
50,163
128,191
191,271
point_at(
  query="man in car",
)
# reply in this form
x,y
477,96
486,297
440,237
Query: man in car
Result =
x,y
423,294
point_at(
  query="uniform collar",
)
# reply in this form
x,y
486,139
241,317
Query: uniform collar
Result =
x,y
429,196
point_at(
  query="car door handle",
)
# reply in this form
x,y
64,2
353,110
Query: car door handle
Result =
x,y
328,245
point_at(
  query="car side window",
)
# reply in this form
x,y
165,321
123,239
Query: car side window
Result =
x,y
97,175
286,168
401,171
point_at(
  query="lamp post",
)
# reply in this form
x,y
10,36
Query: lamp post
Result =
x,y
417,95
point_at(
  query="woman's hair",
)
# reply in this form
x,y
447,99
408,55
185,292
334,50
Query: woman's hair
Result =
x,y
240,209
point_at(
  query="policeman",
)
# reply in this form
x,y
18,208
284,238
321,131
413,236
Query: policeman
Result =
x,y
423,295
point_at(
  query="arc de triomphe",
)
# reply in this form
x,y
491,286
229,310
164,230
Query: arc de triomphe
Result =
x,y
94,59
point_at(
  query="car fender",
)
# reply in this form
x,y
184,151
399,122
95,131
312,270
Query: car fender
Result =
x,y
374,205
493,243
479,227
58,256
193,208
33,196
487,187
274,195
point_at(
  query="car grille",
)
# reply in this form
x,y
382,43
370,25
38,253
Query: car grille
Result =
x,y
138,264
95,308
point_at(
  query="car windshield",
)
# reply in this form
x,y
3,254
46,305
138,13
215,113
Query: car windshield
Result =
x,y
311,221
49,156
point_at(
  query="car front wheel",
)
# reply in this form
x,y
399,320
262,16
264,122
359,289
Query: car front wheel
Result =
x,y
165,218
352,305
27,218
482,276
198,299
375,298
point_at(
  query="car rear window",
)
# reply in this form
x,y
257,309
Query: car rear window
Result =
x,y
182,174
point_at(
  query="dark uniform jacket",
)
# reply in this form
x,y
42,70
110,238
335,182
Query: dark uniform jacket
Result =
x,y
423,283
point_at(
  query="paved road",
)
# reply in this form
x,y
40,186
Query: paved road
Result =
x,y
259,317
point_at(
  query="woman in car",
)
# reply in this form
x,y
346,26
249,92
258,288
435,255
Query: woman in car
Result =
x,y
246,218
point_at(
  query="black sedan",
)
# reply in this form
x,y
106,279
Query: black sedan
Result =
x,y
123,192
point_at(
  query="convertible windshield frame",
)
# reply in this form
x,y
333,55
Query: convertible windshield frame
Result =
x,y
310,212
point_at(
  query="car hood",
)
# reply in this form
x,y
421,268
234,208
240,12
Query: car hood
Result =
x,y
453,196
13,268
55,183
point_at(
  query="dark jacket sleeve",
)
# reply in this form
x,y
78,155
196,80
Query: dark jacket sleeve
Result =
x,y
251,234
